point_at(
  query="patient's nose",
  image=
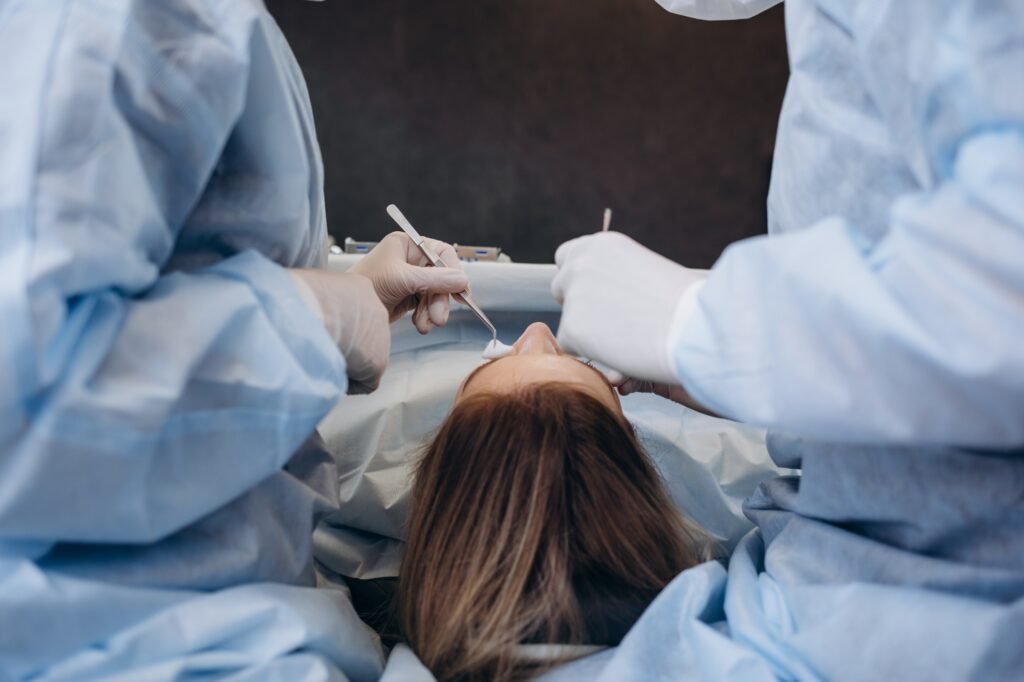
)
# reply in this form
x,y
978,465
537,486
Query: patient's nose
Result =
x,y
537,340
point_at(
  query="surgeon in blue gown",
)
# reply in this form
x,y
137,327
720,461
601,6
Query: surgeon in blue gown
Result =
x,y
169,346
878,332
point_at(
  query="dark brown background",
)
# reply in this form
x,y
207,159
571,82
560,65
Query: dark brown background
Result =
x,y
515,122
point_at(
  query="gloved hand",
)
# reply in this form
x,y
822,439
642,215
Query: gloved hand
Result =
x,y
673,392
621,302
350,311
404,279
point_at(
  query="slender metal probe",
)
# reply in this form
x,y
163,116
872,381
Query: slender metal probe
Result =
x,y
465,297
607,220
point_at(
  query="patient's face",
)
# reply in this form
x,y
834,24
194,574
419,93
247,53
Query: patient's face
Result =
x,y
538,359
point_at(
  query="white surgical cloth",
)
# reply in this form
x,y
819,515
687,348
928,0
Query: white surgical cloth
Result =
x,y
709,465
888,305
157,366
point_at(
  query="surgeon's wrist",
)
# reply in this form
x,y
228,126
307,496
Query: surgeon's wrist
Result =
x,y
306,295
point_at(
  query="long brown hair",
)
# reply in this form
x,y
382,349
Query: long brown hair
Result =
x,y
536,517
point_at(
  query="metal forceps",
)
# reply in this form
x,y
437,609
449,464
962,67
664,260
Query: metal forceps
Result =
x,y
465,297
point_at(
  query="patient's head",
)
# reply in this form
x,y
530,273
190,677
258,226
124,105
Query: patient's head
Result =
x,y
536,517
537,358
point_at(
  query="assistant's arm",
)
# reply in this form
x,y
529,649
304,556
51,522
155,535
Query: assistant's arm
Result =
x,y
920,338
132,402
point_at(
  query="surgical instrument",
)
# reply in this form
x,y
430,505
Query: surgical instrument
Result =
x,y
465,297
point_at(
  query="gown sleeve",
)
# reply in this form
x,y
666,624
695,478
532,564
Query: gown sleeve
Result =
x,y
919,336
135,399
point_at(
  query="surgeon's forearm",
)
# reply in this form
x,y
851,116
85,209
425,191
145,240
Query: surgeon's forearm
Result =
x,y
917,340
171,405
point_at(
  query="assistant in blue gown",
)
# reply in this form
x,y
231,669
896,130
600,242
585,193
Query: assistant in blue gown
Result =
x,y
883,322
877,331
159,375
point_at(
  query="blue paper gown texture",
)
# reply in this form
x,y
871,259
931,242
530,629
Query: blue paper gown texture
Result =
x,y
158,369
887,306
882,321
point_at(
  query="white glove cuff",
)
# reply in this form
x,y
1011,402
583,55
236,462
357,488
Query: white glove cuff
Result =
x,y
684,310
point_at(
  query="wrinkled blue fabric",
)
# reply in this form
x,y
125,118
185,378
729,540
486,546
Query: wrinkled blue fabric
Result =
x,y
881,322
866,567
158,371
887,304
844,580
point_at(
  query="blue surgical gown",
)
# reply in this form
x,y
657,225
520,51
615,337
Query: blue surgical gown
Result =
x,y
880,324
158,372
887,306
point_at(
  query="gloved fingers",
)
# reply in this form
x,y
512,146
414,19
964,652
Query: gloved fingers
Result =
x,y
421,315
446,252
432,287
366,368
437,308
567,273
561,282
563,261
405,305
569,344
575,248
577,333
568,249
390,250
568,258
430,280
630,386
357,387
400,246
414,256
673,392
367,356
615,377
642,386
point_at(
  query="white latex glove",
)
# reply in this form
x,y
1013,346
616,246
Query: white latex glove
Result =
x,y
621,303
405,280
350,311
